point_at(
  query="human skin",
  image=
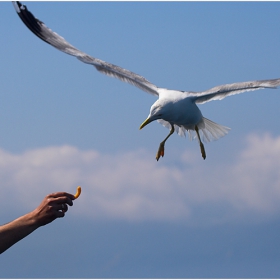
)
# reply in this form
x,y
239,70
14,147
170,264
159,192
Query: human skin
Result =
x,y
53,206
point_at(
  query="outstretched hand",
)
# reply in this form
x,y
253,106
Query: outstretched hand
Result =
x,y
53,206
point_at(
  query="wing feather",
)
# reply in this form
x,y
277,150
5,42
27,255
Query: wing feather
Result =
x,y
220,92
55,40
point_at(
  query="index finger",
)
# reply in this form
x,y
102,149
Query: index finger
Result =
x,y
62,194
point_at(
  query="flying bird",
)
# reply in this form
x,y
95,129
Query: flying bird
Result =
x,y
176,110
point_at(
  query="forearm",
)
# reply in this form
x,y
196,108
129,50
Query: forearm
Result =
x,y
53,206
16,230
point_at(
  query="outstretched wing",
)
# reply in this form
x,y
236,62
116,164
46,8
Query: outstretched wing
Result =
x,y
220,92
52,38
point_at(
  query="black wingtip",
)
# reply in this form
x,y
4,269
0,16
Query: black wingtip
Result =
x,y
29,20
17,5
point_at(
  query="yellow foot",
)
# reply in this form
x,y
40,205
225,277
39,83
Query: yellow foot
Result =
x,y
160,152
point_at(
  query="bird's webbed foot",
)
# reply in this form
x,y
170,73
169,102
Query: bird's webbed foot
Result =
x,y
160,152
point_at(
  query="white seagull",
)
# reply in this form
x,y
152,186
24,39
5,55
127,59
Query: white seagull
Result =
x,y
176,110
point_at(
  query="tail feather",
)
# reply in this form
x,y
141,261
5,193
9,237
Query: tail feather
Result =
x,y
211,130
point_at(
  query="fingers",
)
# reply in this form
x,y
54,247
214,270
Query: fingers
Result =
x,y
62,207
58,203
62,194
61,200
53,206
60,213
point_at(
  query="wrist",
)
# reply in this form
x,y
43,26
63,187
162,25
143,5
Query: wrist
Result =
x,y
31,220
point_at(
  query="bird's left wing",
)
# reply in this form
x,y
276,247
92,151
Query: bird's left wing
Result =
x,y
220,92
52,38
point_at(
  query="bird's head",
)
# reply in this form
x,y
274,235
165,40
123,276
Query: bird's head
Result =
x,y
157,112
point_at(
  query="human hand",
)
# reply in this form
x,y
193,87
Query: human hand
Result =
x,y
53,206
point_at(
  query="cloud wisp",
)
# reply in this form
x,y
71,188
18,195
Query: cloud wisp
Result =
x,y
132,186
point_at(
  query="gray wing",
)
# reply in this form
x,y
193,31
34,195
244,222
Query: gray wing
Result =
x,y
52,38
220,92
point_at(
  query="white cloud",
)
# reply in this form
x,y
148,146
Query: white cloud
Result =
x,y
134,186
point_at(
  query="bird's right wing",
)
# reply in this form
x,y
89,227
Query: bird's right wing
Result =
x,y
52,38
220,92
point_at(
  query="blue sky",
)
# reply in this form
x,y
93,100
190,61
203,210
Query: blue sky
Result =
x,y
63,124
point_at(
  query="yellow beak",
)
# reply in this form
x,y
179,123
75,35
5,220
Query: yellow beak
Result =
x,y
147,121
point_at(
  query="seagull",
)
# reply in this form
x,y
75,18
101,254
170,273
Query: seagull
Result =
x,y
176,110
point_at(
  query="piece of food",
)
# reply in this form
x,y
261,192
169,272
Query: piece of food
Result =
x,y
77,194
